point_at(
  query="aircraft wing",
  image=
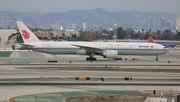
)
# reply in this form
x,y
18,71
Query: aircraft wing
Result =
x,y
89,48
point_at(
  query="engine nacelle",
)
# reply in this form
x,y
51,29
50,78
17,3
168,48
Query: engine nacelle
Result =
x,y
110,54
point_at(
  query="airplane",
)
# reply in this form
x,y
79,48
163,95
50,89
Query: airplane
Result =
x,y
151,40
105,49
166,44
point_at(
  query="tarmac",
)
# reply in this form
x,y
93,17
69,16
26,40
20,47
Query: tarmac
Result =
x,y
19,68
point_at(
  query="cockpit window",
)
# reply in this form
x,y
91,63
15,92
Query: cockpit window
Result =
x,y
164,47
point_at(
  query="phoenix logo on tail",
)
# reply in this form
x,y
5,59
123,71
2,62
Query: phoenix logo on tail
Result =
x,y
25,34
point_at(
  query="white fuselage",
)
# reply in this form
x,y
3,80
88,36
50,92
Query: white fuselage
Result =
x,y
123,48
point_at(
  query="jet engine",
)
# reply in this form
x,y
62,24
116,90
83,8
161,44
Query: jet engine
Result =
x,y
110,54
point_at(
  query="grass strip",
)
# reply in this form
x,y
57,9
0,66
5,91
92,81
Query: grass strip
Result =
x,y
60,96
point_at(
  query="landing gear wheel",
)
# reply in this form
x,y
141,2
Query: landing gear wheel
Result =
x,y
91,59
94,59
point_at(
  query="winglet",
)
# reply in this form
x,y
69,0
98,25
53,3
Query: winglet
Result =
x,y
150,40
26,34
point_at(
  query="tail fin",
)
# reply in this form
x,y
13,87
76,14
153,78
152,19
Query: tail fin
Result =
x,y
150,40
26,34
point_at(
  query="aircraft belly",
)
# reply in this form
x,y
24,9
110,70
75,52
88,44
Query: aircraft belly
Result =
x,y
81,52
140,52
58,51
120,52
68,51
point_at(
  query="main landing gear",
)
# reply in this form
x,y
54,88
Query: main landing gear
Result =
x,y
156,58
91,57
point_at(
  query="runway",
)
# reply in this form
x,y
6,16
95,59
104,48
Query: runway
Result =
x,y
30,55
21,65
90,83
105,74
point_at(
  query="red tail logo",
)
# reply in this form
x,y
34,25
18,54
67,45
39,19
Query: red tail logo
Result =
x,y
150,40
25,34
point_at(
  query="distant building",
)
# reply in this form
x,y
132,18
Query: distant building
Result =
x,y
110,29
129,31
178,22
61,27
41,34
68,25
115,26
66,33
158,22
115,32
4,34
73,26
47,34
150,23
84,25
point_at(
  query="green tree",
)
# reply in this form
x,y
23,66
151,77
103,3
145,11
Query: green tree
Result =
x,y
54,38
158,34
143,31
67,38
110,35
104,31
147,35
61,38
166,35
63,35
121,34
73,37
45,38
129,32
79,38
96,35
135,36
85,33
40,38
17,37
89,36
177,36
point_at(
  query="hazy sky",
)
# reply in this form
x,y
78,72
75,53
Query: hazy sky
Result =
x,y
169,6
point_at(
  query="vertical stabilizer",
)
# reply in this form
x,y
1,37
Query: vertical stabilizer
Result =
x,y
150,40
26,34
